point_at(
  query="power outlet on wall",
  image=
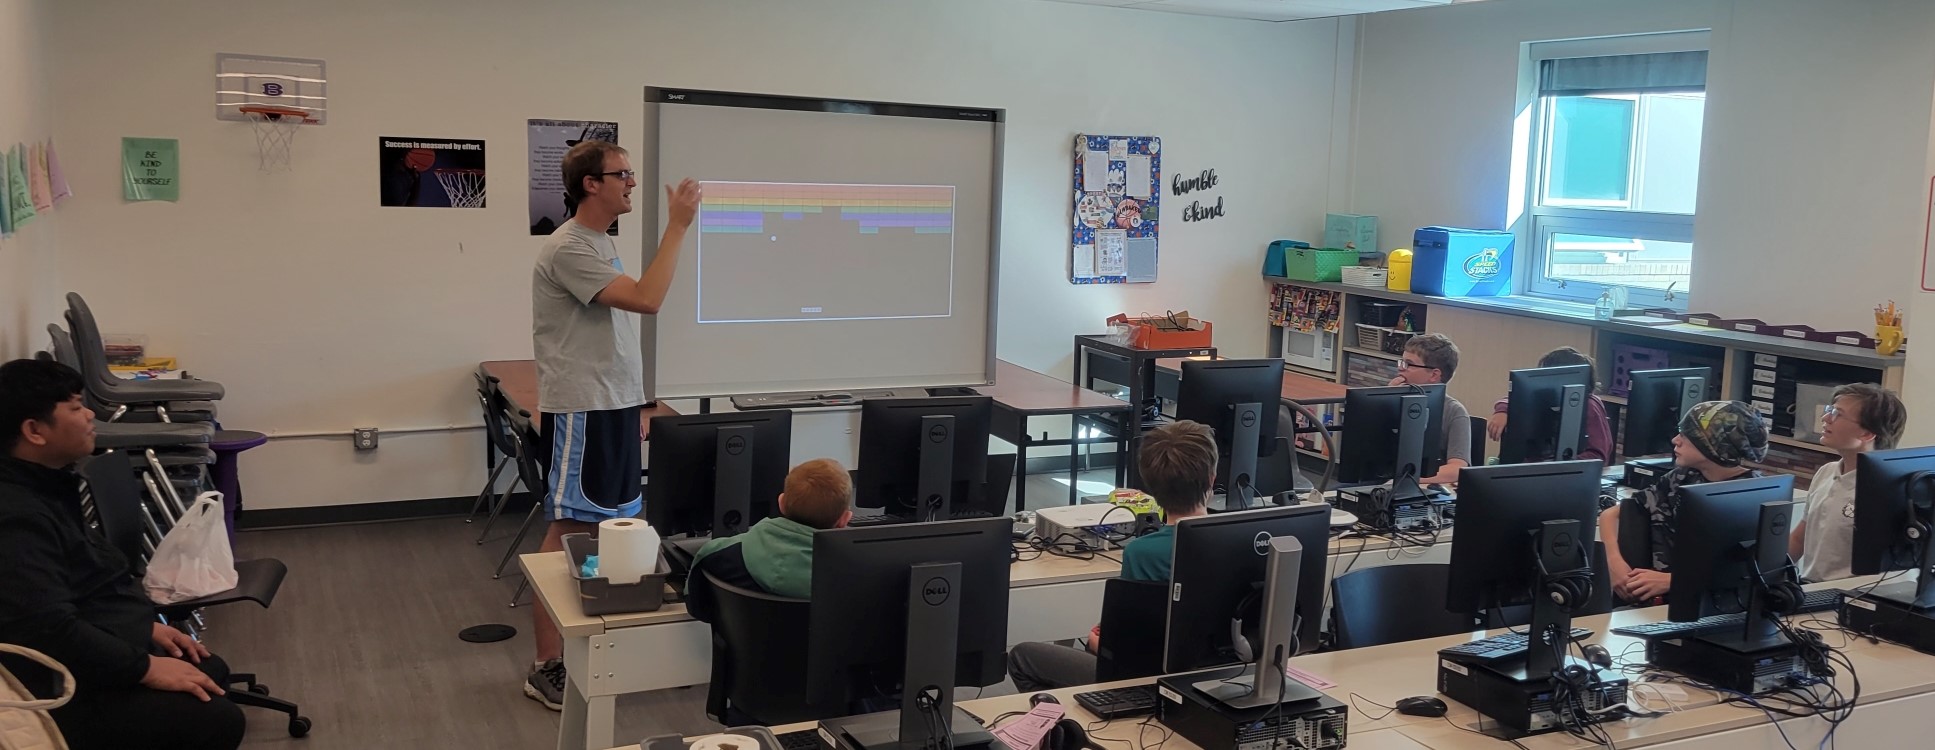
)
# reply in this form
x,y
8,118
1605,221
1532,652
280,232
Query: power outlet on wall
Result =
x,y
364,438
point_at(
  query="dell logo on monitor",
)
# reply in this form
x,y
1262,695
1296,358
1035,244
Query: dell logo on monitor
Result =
x,y
936,434
1262,543
735,445
1248,418
934,592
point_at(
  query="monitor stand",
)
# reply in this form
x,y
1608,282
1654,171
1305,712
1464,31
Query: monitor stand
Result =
x,y
933,631
1414,419
933,491
1246,430
1516,692
1263,682
1572,411
732,481
1904,611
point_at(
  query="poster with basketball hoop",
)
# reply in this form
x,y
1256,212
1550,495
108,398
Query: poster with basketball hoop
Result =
x,y
432,172
550,139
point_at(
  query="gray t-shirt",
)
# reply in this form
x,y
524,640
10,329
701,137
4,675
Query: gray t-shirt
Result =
x,y
1457,431
588,356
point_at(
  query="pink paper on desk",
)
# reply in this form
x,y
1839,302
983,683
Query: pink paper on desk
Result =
x,y
1308,678
1026,731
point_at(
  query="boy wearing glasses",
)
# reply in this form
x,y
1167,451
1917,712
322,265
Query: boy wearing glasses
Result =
x,y
591,372
1430,359
1863,417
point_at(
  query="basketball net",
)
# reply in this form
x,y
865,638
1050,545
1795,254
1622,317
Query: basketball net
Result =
x,y
274,133
465,187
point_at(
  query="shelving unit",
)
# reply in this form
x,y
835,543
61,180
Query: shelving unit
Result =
x,y
1501,334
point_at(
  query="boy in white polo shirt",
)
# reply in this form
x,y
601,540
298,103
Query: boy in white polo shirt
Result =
x,y
1863,417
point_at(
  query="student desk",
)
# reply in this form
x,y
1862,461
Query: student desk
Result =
x,y
517,378
1020,393
1122,733
1298,387
1050,598
1896,705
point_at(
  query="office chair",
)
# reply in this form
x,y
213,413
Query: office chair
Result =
x,y
1133,630
759,659
1393,603
133,528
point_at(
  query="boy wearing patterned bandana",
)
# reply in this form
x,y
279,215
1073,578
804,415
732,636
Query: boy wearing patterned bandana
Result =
x,y
1715,438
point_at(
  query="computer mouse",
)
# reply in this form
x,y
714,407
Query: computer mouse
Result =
x,y
1422,705
1040,698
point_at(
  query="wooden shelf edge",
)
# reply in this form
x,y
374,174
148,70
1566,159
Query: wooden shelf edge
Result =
x,y
1371,353
1798,443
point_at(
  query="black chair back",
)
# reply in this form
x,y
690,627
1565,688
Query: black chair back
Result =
x,y
1134,626
117,504
1277,472
89,345
759,658
1393,603
497,409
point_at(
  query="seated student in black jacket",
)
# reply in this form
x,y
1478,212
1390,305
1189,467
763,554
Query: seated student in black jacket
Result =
x,y
64,591
775,556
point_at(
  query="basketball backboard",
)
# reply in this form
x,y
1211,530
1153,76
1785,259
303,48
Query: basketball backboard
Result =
x,y
256,80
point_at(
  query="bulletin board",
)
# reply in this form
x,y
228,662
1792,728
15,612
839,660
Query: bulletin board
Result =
x,y
1116,211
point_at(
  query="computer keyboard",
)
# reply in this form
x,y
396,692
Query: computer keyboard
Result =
x,y
1119,702
1498,647
860,521
805,739
1823,600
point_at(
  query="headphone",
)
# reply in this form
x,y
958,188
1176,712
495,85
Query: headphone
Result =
x,y
1572,589
1066,734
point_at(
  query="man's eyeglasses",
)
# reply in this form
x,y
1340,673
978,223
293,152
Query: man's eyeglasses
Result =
x,y
1405,364
622,175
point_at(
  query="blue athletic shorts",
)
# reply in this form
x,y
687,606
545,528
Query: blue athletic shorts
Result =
x,y
591,462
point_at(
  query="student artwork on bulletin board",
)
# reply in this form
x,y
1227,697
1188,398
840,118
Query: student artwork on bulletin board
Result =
x,y
1115,220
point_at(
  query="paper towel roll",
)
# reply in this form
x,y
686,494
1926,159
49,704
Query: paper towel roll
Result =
x,y
726,742
627,550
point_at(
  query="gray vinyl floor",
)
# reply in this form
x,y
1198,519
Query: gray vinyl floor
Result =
x,y
364,638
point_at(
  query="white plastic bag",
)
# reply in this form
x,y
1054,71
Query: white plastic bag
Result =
x,y
194,559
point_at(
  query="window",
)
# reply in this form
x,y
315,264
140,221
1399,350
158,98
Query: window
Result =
x,y
1613,168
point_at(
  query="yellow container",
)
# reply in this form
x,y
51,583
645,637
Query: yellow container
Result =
x,y
1399,279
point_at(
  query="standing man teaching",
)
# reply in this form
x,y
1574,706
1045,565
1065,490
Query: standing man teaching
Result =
x,y
591,372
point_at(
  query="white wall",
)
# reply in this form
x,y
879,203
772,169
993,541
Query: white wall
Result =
x,y
320,311
1810,189
29,279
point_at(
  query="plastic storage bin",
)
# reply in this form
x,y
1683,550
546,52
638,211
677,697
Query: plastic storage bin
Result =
x,y
1450,262
1305,264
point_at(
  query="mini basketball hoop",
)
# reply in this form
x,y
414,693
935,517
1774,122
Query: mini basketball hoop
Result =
x,y
465,187
275,131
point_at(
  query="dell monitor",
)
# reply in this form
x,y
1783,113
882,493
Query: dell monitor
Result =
x,y
1240,597
718,473
1546,418
1894,507
1238,399
1524,537
1730,556
1393,434
923,457
923,606
1655,403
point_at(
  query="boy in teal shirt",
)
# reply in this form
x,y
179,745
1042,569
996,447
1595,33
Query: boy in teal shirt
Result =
x,y
1178,466
775,556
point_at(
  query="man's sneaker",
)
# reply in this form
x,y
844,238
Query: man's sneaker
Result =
x,y
546,684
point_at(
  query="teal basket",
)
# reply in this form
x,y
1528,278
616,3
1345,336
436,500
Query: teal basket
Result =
x,y
1303,264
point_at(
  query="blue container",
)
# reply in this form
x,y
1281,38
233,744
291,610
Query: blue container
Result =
x,y
1273,264
1450,262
